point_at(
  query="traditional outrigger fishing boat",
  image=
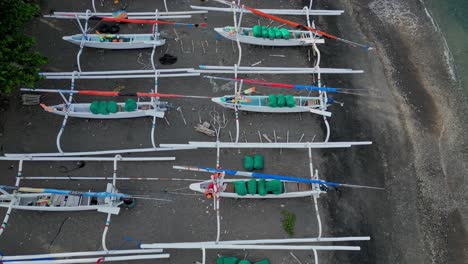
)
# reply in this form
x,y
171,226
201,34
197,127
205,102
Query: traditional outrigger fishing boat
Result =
x,y
111,109
154,108
54,200
84,110
58,200
275,103
269,185
116,41
272,33
283,189
122,41
272,36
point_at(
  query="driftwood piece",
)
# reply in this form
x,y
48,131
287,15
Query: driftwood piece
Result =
x,y
267,138
203,128
31,99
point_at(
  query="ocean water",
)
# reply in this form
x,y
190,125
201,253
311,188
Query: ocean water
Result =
x,y
451,19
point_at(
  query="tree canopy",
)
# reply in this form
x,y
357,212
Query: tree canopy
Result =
x,y
19,64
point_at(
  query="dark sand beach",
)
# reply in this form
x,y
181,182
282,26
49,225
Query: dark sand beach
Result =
x,y
418,125
414,116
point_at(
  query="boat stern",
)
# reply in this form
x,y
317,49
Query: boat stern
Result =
x,y
197,187
219,100
68,38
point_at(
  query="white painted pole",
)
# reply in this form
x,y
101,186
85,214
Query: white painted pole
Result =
x,y
108,220
137,76
64,122
315,256
93,153
327,137
93,260
7,216
107,178
236,105
293,12
253,71
129,17
13,199
203,255
270,145
52,158
315,196
130,14
82,254
19,175
80,74
287,240
241,246
155,101
322,70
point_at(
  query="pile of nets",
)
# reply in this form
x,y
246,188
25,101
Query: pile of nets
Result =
x,y
103,107
111,107
271,33
260,187
281,100
255,162
234,260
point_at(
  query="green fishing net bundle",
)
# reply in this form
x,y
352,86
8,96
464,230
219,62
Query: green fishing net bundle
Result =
x,y
112,107
130,105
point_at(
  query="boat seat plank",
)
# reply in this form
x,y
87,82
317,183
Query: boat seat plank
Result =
x,y
73,201
304,187
85,201
57,200
290,187
229,187
101,200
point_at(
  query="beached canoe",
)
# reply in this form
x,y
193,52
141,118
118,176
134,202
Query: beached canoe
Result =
x,y
259,103
82,110
118,41
290,190
62,203
297,37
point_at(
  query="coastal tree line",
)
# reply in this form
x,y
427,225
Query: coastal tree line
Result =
x,y
19,63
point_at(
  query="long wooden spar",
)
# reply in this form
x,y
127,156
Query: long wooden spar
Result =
x,y
114,94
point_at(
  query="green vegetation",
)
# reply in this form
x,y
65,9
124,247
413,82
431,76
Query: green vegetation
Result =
x,y
19,65
289,222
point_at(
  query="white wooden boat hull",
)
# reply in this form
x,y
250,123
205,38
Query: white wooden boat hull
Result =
x,y
81,110
269,42
61,202
197,187
139,41
265,108
55,209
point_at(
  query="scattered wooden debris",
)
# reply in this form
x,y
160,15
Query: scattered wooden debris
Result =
x,y
31,99
267,138
205,129
179,109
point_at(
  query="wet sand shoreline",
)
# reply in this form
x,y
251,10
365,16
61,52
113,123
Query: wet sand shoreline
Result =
x,y
410,145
